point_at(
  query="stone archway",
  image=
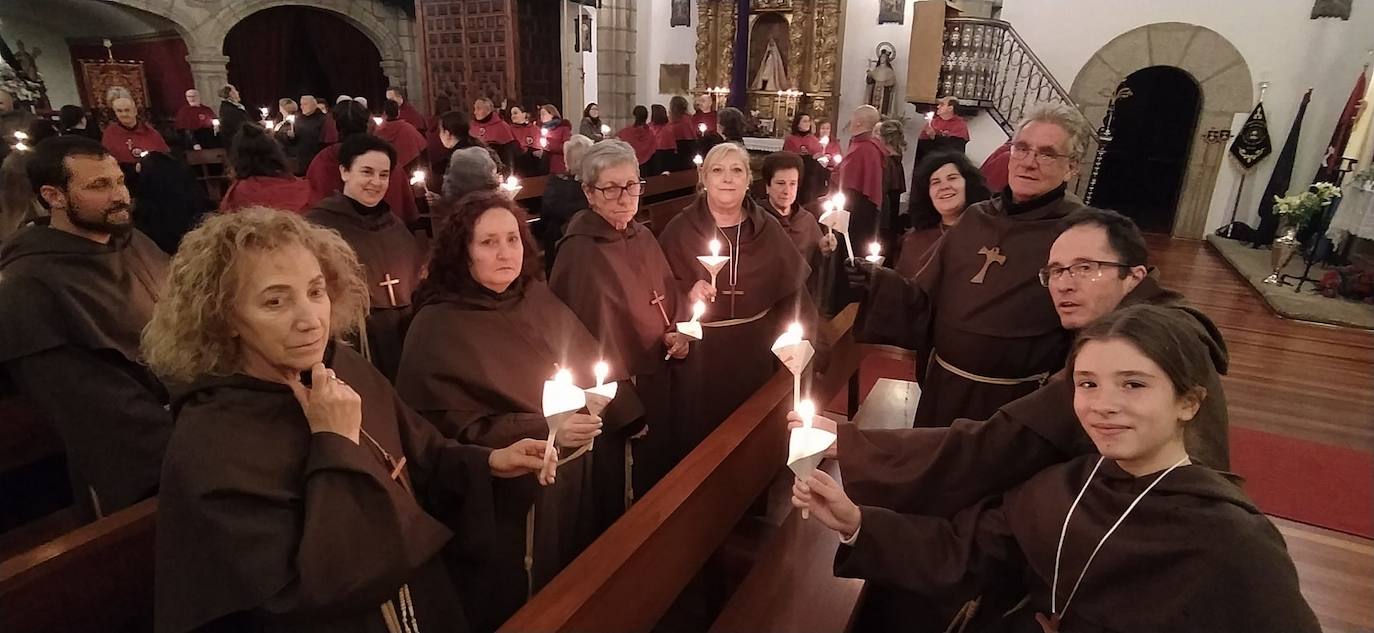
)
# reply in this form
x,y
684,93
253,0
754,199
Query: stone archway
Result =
x,y
205,27
1219,70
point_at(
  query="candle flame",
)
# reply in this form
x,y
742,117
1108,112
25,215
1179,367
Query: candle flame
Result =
x,y
214,122
837,159
697,160
806,410
21,146
21,135
543,131
795,329
875,249
602,370
512,182
605,129
377,120
838,198
825,140
417,177
564,376
698,309
715,248
701,127
290,118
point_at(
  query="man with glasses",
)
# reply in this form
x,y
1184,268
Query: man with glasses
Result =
x,y
1097,265
977,309
612,273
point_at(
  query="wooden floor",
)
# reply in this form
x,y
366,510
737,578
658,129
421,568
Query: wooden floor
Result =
x,y
1302,380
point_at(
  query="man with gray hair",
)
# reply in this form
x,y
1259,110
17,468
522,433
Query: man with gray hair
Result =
x,y
469,169
310,132
612,273
978,309
127,138
563,197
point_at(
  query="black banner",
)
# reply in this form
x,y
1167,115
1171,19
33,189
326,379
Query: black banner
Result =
x,y
1252,145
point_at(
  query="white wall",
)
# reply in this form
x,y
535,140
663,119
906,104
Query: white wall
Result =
x,y
576,94
657,43
1279,42
54,60
862,34
985,135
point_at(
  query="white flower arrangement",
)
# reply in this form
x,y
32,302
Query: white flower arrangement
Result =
x,y
1300,208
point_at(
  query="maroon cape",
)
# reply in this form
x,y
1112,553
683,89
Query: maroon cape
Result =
x,y
199,117
264,526
527,135
803,144
641,139
121,142
955,127
558,135
410,115
862,168
325,181
492,395
492,130
709,118
735,358
287,193
407,140
997,168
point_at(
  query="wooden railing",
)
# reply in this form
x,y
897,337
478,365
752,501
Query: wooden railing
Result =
x,y
987,65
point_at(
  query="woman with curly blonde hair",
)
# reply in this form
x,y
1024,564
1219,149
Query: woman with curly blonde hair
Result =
x,y
296,486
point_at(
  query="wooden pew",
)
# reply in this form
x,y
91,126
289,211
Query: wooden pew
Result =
x,y
627,579
211,169
98,577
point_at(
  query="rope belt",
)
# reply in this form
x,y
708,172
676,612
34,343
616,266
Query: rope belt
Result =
x,y
734,322
987,380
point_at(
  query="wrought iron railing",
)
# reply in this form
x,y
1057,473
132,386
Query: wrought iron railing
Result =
x,y
987,65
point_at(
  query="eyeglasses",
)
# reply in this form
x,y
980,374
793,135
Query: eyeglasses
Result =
x,y
613,192
1086,271
1045,159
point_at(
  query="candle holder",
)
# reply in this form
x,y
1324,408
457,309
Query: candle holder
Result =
x,y
875,254
806,446
836,218
795,353
713,263
600,396
562,399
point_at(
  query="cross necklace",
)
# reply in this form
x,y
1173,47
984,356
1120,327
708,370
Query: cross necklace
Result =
x,y
736,249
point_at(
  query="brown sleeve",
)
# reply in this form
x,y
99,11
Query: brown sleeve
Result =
x,y
484,428
930,555
897,311
941,470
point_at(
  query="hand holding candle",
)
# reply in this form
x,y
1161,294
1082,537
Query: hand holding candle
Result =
x,y
605,130
837,219
807,445
562,399
795,353
600,396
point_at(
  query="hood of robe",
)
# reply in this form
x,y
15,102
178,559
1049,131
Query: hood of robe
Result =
x,y
589,223
352,212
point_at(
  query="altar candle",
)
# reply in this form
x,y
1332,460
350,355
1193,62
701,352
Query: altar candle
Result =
x,y
715,248
602,370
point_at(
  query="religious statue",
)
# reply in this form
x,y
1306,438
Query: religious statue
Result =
x,y
28,61
882,79
772,74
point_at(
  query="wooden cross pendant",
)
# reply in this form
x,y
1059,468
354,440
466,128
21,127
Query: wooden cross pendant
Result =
x,y
991,256
657,299
390,285
733,293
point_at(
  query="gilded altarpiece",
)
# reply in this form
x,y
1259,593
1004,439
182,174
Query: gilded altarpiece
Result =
x,y
806,33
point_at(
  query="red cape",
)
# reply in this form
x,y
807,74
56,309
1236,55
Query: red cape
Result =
x,y
405,138
709,118
955,126
640,138
862,168
412,116
493,130
331,131
324,178
119,142
199,117
526,135
996,169
287,193
804,144
557,137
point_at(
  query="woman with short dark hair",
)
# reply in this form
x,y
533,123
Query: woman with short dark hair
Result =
x,y
590,126
352,119
484,285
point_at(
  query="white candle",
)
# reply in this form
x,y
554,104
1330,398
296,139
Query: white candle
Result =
x,y
215,122
605,129
807,411
715,248
696,160
602,370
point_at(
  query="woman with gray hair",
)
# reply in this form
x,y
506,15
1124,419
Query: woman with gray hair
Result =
x,y
761,290
891,223
562,198
614,276
469,169
291,454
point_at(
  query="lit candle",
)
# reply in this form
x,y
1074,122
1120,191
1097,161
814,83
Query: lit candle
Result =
x,y
698,309
291,118
696,160
806,410
930,115
825,140
418,178
544,142
605,129
215,122
602,370
264,112
691,329
838,158
511,185
714,262
875,254
21,146
701,128
795,353
377,120
20,135
838,199
563,376
543,131
715,248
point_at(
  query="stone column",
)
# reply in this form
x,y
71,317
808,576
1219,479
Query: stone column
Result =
x,y
395,71
209,71
615,62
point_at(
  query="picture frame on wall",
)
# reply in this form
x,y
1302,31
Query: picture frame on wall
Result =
x,y
891,11
585,33
682,13
577,35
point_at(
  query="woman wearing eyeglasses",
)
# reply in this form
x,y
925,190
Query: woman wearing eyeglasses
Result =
x,y
612,273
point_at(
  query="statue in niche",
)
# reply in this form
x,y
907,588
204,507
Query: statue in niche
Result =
x,y
772,74
882,79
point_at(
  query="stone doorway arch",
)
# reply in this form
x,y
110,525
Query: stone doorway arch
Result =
x,y
205,25
1220,72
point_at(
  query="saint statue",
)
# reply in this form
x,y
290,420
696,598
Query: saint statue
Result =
x,y
772,73
882,80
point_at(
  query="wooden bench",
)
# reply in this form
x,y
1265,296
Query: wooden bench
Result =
x,y
98,577
631,575
211,169
792,587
